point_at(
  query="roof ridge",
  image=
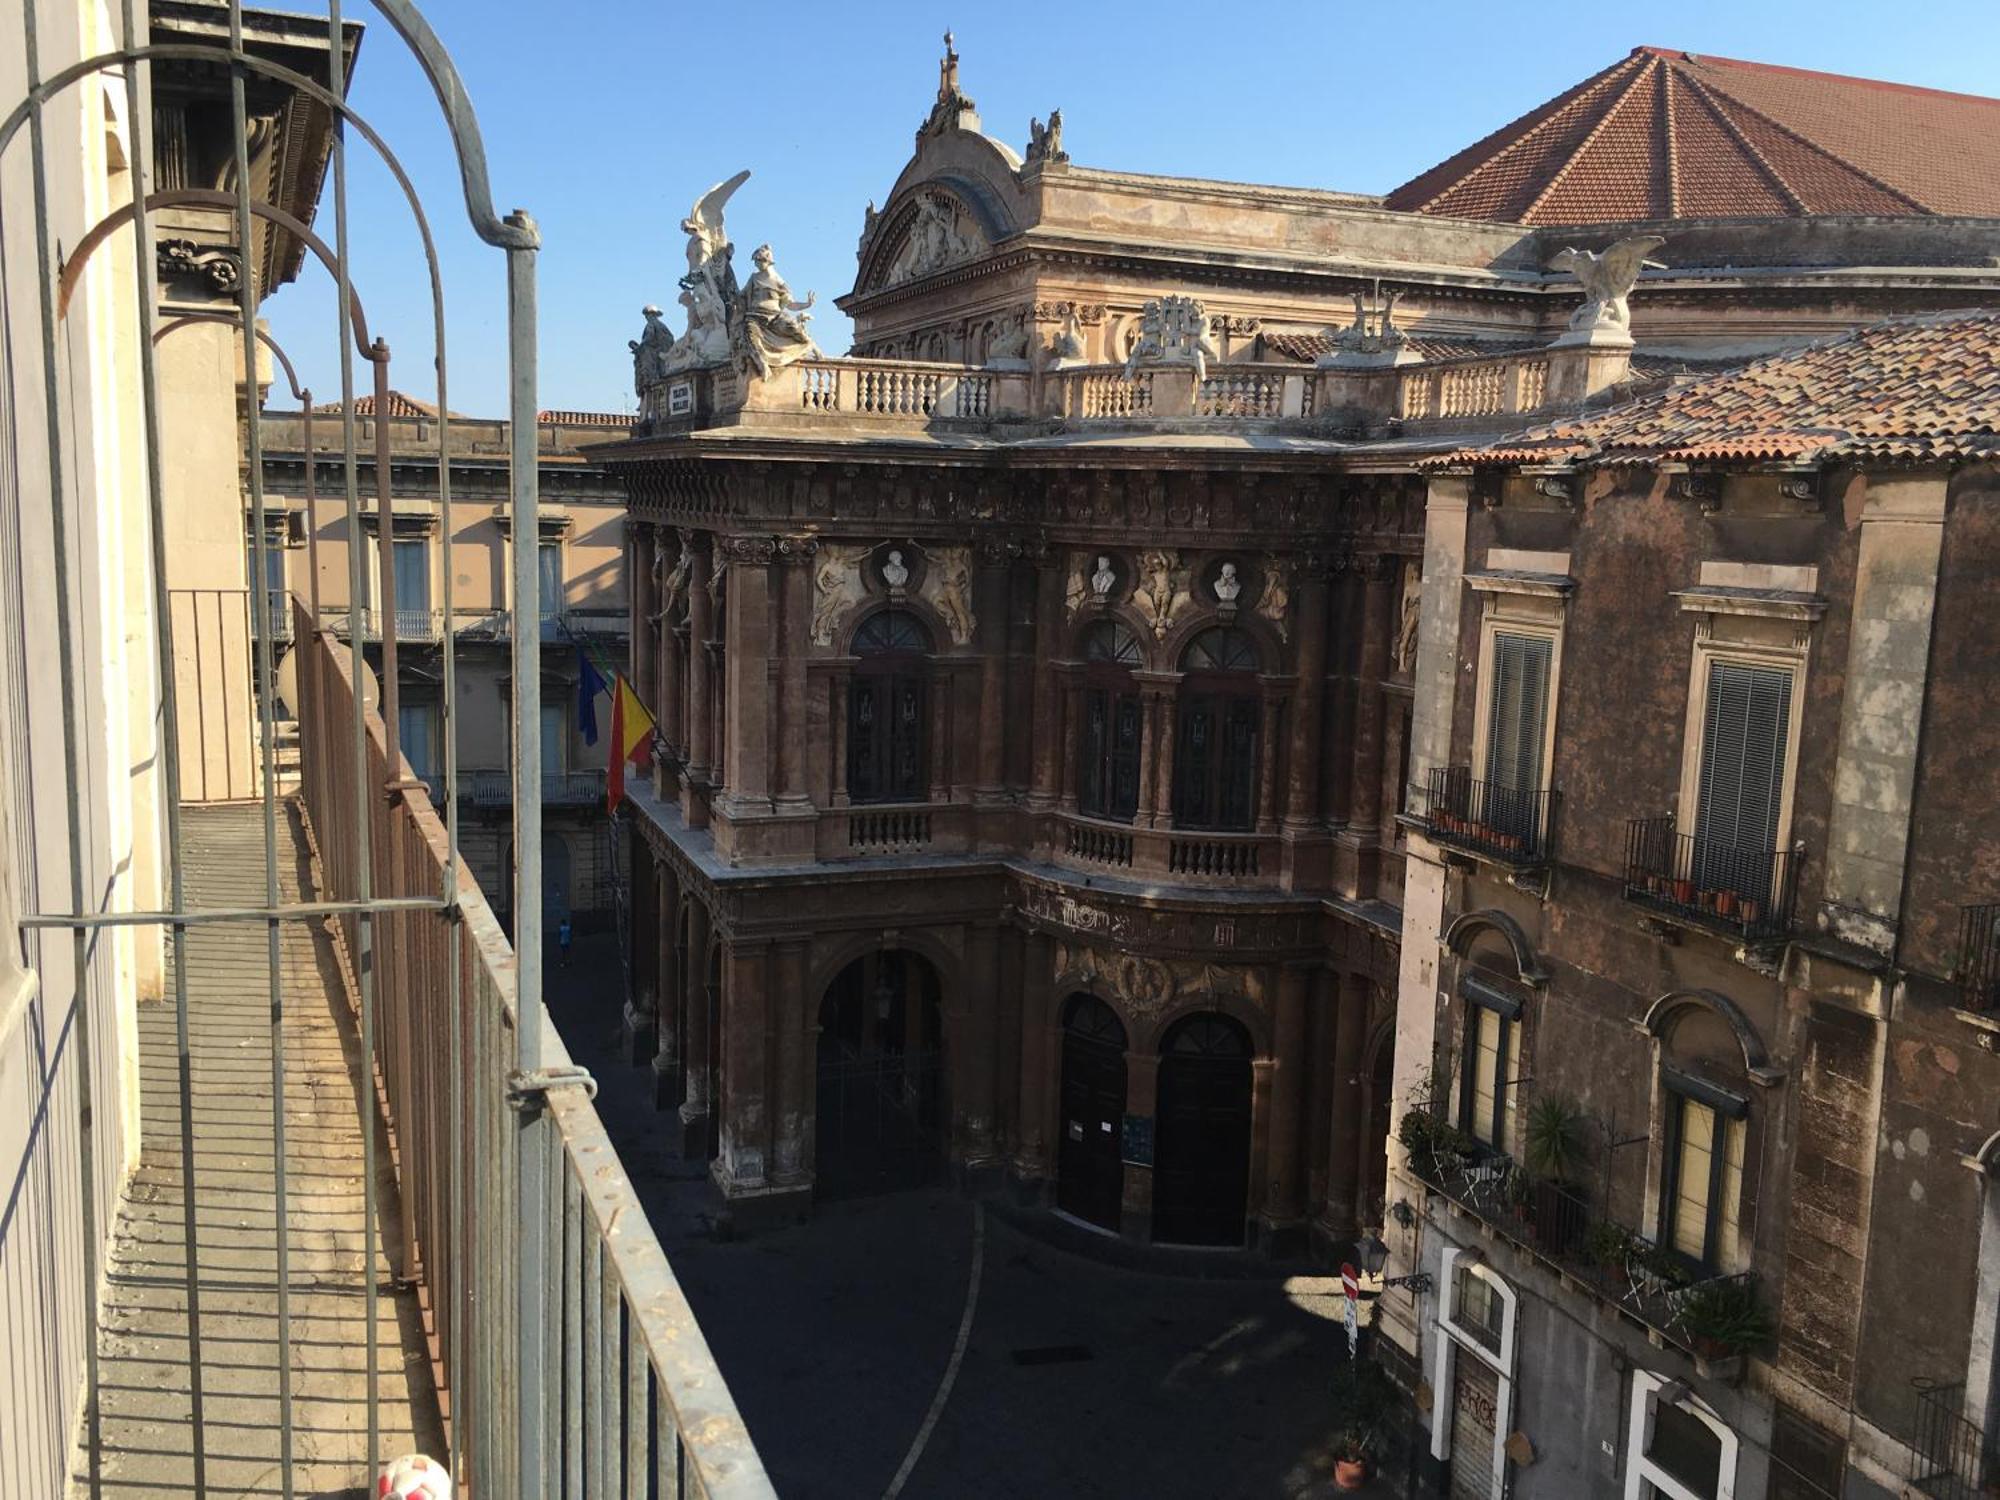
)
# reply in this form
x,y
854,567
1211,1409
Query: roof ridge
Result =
x,y
1681,54
1558,108
1748,146
1557,179
1823,150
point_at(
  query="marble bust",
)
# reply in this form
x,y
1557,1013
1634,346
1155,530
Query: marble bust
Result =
x,y
894,572
1227,585
1103,580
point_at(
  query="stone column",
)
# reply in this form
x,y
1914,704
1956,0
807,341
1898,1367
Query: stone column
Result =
x,y
1308,706
941,746
701,605
667,690
1072,694
745,1114
1042,790
746,656
644,604
1318,1081
989,592
1395,732
1284,1200
699,1003
790,731
1378,605
842,682
670,1009
1337,765
976,1043
1347,1128
639,1012
795,1019
1165,737
1267,760
1038,1028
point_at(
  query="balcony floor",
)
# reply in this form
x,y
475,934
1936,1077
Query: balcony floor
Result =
x,y
148,1432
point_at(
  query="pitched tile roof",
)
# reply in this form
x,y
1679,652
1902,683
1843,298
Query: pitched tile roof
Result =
x,y
1910,389
1665,134
1307,347
399,406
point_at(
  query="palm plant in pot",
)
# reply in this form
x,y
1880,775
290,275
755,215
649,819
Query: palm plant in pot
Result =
x,y
1362,1397
1557,1153
1726,1317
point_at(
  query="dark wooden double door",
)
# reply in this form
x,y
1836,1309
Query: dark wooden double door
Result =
x,y
1090,1166
1201,1171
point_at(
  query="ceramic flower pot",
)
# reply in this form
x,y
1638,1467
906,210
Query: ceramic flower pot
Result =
x,y
1350,1473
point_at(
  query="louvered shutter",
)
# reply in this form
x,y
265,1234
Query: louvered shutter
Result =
x,y
1742,773
1518,717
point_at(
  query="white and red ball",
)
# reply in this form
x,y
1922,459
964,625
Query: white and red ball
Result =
x,y
414,1477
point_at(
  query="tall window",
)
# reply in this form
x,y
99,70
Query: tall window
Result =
x,y
274,581
1215,747
416,729
410,561
1107,781
550,560
555,739
1745,728
1492,1069
887,706
1703,1185
1517,719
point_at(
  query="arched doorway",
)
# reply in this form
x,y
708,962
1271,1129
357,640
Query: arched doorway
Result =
x,y
880,1106
1090,1170
1201,1172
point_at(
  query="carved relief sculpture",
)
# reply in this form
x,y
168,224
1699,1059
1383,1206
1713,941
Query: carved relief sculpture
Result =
x,y
650,352
1274,602
1608,279
838,587
1103,580
1067,347
676,584
1162,591
1010,345
774,326
1409,617
1045,142
939,236
947,589
708,291
1173,330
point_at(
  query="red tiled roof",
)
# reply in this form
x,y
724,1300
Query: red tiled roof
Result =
x,y
1668,135
1915,388
1307,347
584,418
399,406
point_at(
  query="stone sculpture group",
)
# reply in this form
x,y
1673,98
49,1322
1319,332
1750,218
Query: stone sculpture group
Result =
x,y
757,326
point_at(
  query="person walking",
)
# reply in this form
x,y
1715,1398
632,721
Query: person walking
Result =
x,y
562,939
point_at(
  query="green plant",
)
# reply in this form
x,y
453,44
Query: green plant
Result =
x,y
1555,1144
1727,1314
1363,1397
1664,1264
1607,1244
1416,1130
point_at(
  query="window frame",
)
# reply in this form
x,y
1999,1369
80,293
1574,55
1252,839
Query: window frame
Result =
x,y
1640,1470
889,667
1721,1246
1109,680
1522,615
1455,1339
1483,998
1219,693
1746,641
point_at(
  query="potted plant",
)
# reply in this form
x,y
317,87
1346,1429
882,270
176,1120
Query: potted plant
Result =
x,y
1725,903
1556,1153
1683,891
1362,1397
1726,1317
1350,1458
1609,1247
1747,908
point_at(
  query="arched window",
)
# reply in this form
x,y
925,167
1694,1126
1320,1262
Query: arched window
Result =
x,y
1215,746
887,710
1107,780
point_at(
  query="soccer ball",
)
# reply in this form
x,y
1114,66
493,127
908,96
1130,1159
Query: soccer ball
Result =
x,y
414,1477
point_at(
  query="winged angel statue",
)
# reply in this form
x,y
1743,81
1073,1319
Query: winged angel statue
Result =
x,y
708,291
1608,280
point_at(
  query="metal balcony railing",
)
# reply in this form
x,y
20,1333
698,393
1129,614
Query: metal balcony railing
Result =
x,y
1951,1458
559,788
1749,893
1496,822
1978,970
413,626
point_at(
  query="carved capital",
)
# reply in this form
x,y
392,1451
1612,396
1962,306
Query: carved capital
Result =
x,y
1704,489
751,551
184,260
796,551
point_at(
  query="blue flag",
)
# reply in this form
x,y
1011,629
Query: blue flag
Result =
x,y
589,683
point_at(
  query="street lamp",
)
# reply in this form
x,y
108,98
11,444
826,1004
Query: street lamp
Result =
x,y
1373,1255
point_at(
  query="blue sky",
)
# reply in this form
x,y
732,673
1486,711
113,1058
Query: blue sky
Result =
x,y
607,118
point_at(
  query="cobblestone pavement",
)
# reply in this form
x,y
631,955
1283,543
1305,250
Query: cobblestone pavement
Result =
x,y
1079,1379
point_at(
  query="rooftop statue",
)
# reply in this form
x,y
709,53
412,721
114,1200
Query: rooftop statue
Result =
x,y
650,351
774,326
1173,331
1608,279
708,291
1045,141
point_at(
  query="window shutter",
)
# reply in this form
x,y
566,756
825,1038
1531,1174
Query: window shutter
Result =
x,y
1518,716
1743,757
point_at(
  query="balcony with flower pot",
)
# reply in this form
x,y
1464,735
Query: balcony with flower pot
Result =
x,y
1501,825
1748,894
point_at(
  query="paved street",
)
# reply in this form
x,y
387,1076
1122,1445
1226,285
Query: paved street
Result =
x,y
1078,1378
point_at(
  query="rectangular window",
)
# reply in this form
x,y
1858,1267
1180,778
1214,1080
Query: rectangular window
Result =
x,y
1494,1067
1704,1183
555,737
412,566
1517,711
416,725
1477,1308
1746,725
549,557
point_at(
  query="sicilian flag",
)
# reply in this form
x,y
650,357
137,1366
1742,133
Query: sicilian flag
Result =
x,y
589,683
631,733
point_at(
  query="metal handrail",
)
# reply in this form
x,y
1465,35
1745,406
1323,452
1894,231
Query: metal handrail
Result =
x,y
1749,893
1978,967
1950,1455
1515,827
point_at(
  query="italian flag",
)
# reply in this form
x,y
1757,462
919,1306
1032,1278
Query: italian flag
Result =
x,y
631,733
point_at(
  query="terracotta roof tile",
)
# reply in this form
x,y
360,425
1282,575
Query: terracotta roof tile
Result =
x,y
1911,388
585,418
1664,134
399,406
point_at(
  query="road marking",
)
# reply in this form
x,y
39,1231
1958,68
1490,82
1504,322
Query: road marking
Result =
x,y
957,1357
